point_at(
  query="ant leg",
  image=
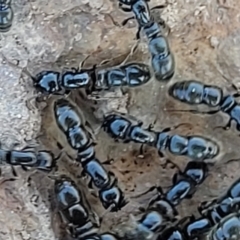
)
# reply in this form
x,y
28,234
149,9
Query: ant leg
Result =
x,y
157,197
7,179
93,132
138,33
168,129
108,210
90,130
151,125
67,93
104,62
14,172
125,9
136,121
29,102
97,219
141,150
236,95
81,64
190,194
158,7
62,151
227,127
14,145
230,82
114,22
204,206
190,218
124,22
232,160
109,161
175,176
132,51
53,177
151,189
74,69
234,203
163,24
161,155
168,161
28,148
31,144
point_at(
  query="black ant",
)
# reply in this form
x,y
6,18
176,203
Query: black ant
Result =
x,y
131,74
74,213
162,208
6,14
162,59
72,123
222,206
194,92
125,128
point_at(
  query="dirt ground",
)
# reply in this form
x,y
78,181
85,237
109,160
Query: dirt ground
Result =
x,y
58,34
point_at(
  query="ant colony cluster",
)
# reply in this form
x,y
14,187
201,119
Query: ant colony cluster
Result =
x,y
219,219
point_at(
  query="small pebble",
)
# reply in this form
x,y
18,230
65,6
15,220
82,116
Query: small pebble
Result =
x,y
214,42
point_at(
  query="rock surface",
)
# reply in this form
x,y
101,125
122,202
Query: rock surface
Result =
x,y
57,34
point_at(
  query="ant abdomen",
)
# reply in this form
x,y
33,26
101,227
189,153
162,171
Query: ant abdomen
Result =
x,y
6,14
159,46
163,68
195,147
71,208
130,74
194,92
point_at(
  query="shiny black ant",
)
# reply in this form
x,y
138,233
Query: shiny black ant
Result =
x,y
6,15
142,13
198,228
222,206
43,160
53,82
228,228
75,211
162,60
131,74
217,217
72,123
187,228
184,186
194,92
162,208
127,129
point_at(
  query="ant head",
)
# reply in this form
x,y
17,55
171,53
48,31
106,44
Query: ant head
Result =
x,y
47,82
113,198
